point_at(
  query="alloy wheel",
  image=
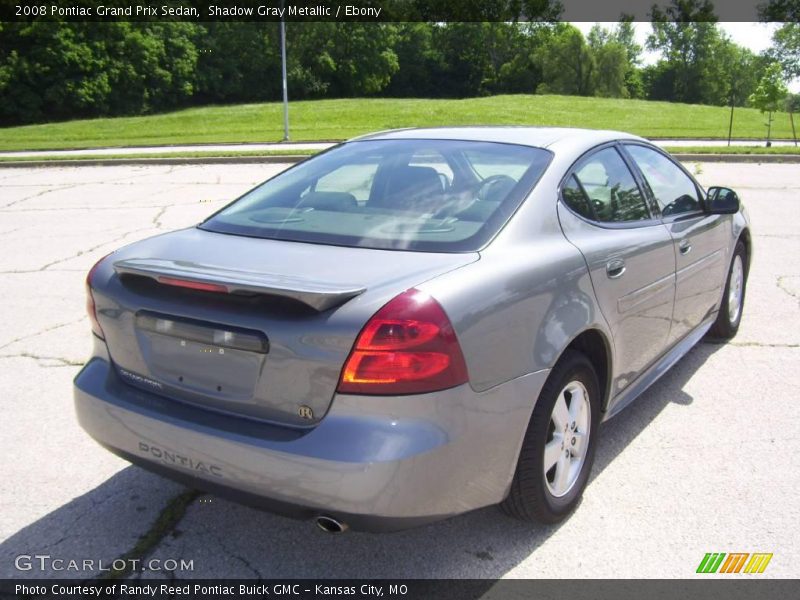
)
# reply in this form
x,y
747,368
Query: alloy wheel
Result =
x,y
568,439
735,289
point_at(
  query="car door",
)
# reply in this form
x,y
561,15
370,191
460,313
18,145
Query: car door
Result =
x,y
699,239
628,251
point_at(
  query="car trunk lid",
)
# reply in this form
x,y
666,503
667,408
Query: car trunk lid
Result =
x,y
249,326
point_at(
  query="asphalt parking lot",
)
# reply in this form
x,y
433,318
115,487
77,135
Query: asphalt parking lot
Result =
x,y
705,461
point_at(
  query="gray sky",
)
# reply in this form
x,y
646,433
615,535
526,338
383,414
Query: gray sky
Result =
x,y
755,36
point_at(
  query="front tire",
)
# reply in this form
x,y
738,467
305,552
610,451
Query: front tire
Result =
x,y
559,446
730,311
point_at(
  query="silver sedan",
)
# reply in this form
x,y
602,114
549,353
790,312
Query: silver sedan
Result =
x,y
413,324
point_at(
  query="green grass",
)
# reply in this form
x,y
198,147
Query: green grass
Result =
x,y
733,150
205,154
341,119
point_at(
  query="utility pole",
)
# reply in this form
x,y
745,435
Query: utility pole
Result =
x,y
733,84
285,87
730,124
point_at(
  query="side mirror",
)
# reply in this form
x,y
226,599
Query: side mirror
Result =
x,y
722,201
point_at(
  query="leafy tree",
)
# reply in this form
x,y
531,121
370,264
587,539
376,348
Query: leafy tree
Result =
x,y
739,73
769,94
59,70
491,58
658,81
792,103
151,66
625,34
341,59
513,50
598,37
611,63
786,48
238,62
465,59
504,43
568,65
611,66
48,72
419,62
779,10
51,70
522,73
730,72
685,33
700,64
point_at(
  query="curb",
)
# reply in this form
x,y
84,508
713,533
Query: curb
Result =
x,y
739,158
240,144
110,162
293,158
705,139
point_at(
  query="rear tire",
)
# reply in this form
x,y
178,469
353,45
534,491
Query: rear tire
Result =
x,y
730,311
559,446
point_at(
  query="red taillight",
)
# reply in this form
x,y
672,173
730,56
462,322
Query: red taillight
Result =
x,y
91,309
193,285
407,347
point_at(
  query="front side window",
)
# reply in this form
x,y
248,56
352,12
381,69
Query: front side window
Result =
x,y
428,195
603,189
673,189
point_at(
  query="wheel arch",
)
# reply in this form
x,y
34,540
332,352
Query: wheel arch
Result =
x,y
594,344
745,237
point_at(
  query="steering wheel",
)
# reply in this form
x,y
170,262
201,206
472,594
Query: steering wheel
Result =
x,y
492,181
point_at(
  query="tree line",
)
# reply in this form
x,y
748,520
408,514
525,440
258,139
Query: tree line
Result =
x,y
64,70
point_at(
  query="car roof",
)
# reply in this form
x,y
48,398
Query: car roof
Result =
x,y
539,137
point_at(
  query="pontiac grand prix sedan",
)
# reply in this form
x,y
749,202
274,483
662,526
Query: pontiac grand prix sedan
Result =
x,y
413,324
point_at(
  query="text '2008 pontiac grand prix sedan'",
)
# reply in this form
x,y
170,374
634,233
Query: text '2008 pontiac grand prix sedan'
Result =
x,y
413,324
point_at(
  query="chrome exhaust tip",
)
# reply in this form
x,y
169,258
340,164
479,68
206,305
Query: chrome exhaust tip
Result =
x,y
330,525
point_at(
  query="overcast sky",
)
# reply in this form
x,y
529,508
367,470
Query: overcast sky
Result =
x,y
756,36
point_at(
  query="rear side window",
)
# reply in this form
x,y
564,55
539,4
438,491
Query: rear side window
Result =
x,y
603,189
427,195
576,199
673,189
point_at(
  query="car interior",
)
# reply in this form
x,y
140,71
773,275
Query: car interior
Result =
x,y
427,192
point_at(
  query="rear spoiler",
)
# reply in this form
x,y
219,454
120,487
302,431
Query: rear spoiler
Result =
x,y
319,295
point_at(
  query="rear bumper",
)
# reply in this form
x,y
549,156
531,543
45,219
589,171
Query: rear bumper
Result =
x,y
376,463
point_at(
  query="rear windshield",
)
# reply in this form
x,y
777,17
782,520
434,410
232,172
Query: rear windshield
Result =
x,y
428,195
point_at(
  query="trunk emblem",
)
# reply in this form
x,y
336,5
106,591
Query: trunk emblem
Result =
x,y
305,412
135,377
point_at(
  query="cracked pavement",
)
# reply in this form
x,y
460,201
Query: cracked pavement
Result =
x,y
702,462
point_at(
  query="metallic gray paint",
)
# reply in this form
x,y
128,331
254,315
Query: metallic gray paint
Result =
x,y
515,306
638,306
403,456
319,295
307,350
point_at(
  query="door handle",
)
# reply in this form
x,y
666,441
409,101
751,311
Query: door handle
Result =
x,y
685,246
615,268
